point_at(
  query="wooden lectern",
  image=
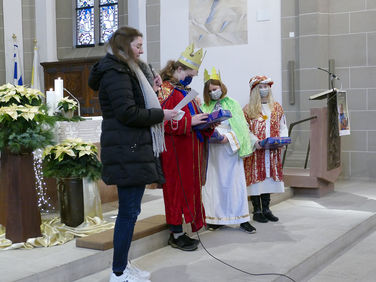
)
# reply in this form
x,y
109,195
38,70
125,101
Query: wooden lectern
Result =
x,y
325,147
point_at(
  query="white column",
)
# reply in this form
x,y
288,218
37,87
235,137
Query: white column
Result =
x,y
137,19
12,13
45,32
45,24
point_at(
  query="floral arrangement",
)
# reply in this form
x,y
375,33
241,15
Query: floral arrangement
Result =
x,y
66,104
24,123
72,158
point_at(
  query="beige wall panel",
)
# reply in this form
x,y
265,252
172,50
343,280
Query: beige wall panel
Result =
x,y
363,21
313,52
363,164
348,50
28,30
363,120
371,140
28,12
151,2
356,141
371,4
64,29
288,8
312,24
371,101
371,48
339,23
99,51
313,79
153,52
357,99
64,9
288,52
153,33
363,77
153,15
336,6
123,20
288,25
345,161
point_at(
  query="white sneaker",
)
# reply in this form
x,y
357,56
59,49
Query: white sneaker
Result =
x,y
138,272
127,277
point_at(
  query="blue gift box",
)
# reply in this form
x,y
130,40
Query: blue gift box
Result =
x,y
215,116
274,142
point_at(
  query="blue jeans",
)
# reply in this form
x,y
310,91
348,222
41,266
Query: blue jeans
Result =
x,y
129,209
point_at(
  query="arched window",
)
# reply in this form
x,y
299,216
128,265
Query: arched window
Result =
x,y
85,23
88,22
108,19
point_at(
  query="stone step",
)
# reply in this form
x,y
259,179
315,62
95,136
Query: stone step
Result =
x,y
310,234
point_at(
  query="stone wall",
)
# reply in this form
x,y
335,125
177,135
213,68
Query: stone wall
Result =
x,y
344,31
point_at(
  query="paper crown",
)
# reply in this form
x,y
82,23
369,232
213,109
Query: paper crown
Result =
x,y
191,59
260,79
214,75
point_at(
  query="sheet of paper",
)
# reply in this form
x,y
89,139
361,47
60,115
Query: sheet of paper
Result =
x,y
189,97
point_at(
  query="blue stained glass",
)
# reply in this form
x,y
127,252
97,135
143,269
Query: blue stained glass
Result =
x,y
85,3
104,2
108,21
85,26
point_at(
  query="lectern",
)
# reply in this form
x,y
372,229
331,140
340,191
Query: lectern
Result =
x,y
325,151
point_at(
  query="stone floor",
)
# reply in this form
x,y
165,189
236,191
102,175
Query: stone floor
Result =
x,y
317,239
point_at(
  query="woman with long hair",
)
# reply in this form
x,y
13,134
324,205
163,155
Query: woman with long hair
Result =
x,y
184,162
131,140
263,169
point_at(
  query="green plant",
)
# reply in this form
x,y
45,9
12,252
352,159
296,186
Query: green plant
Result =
x,y
24,123
66,104
72,158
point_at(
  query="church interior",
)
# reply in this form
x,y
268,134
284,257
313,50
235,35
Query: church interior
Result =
x,y
321,57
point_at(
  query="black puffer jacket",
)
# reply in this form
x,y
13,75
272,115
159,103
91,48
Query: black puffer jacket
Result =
x,y
126,143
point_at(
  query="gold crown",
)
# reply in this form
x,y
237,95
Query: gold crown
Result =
x,y
214,75
190,59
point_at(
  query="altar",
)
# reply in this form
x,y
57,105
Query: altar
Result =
x,y
88,130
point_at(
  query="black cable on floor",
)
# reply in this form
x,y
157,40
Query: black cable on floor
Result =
x,y
198,236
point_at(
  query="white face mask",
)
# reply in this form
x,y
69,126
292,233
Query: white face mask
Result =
x,y
216,94
264,92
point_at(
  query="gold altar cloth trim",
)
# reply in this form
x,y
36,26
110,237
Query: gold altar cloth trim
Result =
x,y
56,233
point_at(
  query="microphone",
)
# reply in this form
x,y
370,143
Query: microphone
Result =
x,y
332,75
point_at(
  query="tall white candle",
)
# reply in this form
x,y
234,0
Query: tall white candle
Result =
x,y
59,89
51,101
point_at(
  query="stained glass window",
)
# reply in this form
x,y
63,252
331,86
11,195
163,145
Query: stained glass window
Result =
x,y
85,23
108,19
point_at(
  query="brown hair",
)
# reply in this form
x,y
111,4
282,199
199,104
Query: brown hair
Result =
x,y
120,42
167,73
207,98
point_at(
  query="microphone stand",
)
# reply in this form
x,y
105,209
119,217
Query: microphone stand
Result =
x,y
78,102
331,75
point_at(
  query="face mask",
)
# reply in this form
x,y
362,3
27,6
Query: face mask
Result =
x,y
216,94
186,81
264,92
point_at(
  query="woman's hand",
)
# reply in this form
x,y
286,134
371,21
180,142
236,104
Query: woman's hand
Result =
x,y
225,139
257,145
169,114
199,119
157,83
